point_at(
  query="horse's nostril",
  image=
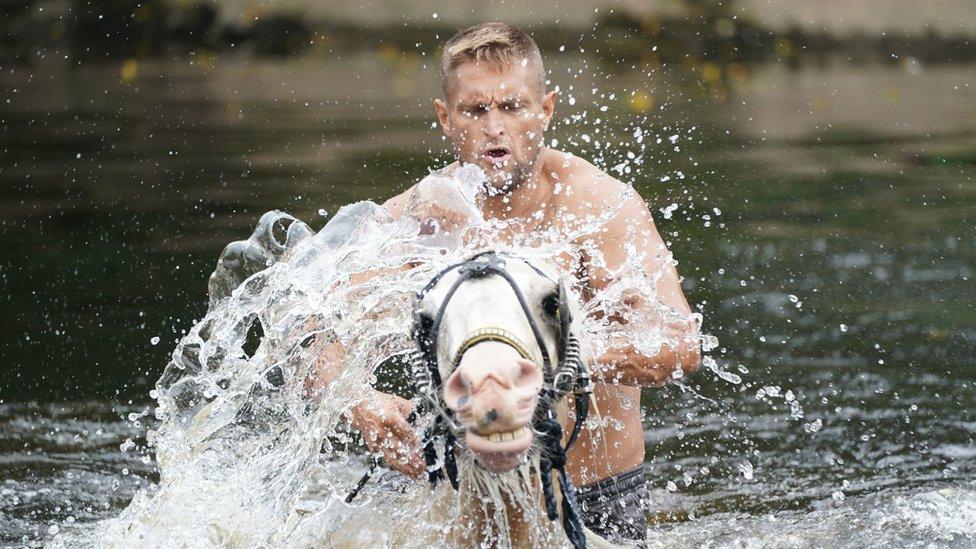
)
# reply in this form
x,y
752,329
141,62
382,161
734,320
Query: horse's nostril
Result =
x,y
490,417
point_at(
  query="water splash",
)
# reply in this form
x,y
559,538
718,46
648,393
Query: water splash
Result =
x,y
246,454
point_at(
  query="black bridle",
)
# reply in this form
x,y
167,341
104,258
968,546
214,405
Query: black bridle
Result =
x,y
569,374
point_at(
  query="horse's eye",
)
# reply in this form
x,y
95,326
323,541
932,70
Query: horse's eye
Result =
x,y
550,304
426,322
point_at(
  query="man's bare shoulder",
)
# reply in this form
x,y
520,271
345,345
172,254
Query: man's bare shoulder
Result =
x,y
398,204
586,189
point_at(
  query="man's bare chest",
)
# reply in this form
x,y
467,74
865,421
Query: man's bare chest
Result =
x,y
568,254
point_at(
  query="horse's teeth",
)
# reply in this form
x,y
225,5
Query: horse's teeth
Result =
x,y
508,435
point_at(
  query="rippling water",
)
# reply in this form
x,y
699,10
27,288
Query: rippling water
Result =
x,y
837,274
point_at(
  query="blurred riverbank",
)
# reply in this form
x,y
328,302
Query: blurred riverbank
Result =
x,y
682,32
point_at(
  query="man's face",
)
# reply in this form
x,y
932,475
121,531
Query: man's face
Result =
x,y
496,120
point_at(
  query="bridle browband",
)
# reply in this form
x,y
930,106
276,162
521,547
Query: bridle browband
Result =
x,y
569,374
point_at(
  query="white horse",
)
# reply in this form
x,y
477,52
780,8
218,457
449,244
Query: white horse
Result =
x,y
498,357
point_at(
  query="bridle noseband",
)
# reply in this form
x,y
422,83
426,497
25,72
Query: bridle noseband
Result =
x,y
568,374
500,335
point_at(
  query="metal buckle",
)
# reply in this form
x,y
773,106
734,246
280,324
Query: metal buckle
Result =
x,y
564,380
482,266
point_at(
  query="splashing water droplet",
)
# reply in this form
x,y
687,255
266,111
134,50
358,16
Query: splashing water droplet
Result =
x,y
747,470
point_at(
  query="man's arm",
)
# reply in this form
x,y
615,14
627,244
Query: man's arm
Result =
x,y
381,417
631,236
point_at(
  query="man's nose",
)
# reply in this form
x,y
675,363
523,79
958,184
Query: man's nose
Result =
x,y
494,126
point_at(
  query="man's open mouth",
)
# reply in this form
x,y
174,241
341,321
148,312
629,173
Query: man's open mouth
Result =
x,y
497,155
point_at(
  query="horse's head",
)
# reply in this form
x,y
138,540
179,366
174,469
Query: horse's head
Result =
x,y
496,332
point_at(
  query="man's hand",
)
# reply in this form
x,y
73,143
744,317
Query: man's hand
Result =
x,y
434,218
440,205
382,419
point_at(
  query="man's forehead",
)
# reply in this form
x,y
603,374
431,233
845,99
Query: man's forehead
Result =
x,y
475,82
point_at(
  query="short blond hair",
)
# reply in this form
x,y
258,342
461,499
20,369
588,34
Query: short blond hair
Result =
x,y
496,44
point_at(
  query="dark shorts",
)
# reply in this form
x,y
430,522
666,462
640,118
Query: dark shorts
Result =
x,y
616,507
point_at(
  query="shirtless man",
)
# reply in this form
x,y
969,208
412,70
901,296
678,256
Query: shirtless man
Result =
x,y
495,113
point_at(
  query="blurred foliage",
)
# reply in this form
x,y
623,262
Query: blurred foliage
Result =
x,y
86,30
707,31
710,33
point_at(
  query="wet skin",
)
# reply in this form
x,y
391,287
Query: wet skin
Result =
x,y
497,120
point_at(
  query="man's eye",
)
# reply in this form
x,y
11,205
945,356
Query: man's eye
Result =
x,y
511,106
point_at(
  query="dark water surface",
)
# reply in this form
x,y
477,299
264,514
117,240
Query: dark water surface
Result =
x,y
823,220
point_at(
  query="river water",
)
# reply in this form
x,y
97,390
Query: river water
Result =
x,y
823,219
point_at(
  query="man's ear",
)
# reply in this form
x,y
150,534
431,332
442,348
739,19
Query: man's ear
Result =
x,y
441,108
548,107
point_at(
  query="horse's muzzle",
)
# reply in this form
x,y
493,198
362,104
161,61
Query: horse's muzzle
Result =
x,y
493,394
